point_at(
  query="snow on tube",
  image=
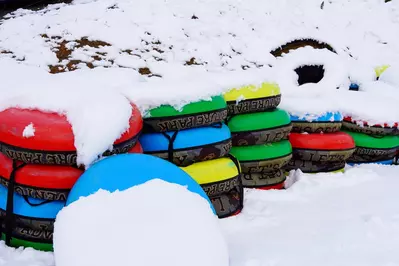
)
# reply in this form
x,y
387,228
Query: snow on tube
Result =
x,y
375,130
385,162
372,149
260,128
220,179
331,147
123,171
29,212
251,98
196,114
314,167
189,146
31,238
263,158
328,123
53,140
265,180
46,182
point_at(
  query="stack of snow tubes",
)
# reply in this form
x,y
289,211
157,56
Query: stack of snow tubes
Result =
x,y
38,169
196,139
318,145
259,134
374,144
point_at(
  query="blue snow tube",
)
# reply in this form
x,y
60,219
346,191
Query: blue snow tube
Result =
x,y
385,162
189,146
328,123
31,208
121,172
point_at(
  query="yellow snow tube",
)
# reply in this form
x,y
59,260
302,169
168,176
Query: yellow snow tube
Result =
x,y
380,69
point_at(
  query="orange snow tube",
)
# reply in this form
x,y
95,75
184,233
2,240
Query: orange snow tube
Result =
x,y
47,182
53,140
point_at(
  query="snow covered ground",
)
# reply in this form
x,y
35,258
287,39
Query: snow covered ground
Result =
x,y
172,52
349,219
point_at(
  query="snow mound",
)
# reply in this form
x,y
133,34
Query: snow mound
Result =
x,y
390,76
157,223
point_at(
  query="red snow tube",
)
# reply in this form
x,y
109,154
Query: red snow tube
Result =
x,y
53,140
48,182
332,147
365,128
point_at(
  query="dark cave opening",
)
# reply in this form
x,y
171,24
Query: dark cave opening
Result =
x,y
309,74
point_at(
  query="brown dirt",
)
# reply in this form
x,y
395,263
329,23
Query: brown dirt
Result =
x,y
286,48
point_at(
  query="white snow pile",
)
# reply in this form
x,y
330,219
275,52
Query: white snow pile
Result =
x,y
156,223
103,53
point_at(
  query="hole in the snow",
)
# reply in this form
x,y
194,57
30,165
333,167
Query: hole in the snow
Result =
x,y
309,74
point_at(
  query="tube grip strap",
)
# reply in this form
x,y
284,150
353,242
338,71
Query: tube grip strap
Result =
x,y
240,187
171,141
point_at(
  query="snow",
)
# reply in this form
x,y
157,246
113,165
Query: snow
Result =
x,y
334,219
167,225
29,131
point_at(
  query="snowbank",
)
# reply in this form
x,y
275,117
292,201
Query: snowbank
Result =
x,y
157,223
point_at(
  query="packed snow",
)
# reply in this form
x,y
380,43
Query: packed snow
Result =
x,y
157,223
29,131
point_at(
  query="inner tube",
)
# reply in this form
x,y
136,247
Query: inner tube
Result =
x,y
29,238
260,128
328,123
46,182
375,130
251,98
189,146
314,167
385,162
265,180
263,158
53,141
196,114
372,148
30,212
220,179
123,171
331,147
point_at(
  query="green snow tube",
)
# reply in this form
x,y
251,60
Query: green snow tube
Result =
x,y
260,128
29,238
263,158
372,148
196,114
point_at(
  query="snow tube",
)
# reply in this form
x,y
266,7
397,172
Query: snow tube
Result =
x,y
263,158
385,162
123,171
189,146
372,149
376,130
266,180
314,167
46,182
31,238
196,114
53,140
260,128
328,123
251,98
30,212
331,147
220,179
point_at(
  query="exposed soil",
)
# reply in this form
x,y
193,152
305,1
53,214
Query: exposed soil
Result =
x,y
286,48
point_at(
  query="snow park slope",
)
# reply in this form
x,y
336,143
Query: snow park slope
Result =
x,y
89,59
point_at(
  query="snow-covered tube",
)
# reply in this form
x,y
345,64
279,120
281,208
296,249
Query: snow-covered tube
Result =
x,y
123,171
46,182
189,146
327,123
373,149
263,158
252,98
260,128
332,147
197,114
375,130
221,181
385,162
314,167
265,180
53,138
